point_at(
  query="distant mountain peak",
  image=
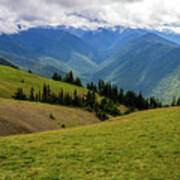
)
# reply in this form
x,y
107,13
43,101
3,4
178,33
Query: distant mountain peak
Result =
x,y
154,38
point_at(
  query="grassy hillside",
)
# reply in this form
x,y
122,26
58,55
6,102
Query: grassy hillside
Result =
x,y
143,145
18,117
11,79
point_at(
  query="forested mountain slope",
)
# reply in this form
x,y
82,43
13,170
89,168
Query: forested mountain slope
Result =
x,y
142,64
48,50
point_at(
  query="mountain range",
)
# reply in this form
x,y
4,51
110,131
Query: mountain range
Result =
x,y
134,59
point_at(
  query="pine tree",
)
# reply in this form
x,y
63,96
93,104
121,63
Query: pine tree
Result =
x,y
68,100
108,91
121,96
69,78
103,103
39,96
61,97
78,82
114,93
53,99
20,94
76,99
91,86
101,86
141,102
56,77
97,108
91,99
130,99
48,98
31,97
83,101
153,103
44,95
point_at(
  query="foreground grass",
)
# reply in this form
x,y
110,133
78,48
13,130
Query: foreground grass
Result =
x,y
143,145
11,79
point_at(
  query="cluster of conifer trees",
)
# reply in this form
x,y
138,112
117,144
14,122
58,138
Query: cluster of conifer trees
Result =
x,y
69,78
130,98
89,101
108,105
106,89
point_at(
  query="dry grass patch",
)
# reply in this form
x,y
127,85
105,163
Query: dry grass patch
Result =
x,y
25,117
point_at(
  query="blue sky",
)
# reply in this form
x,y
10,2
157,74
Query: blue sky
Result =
x,y
150,14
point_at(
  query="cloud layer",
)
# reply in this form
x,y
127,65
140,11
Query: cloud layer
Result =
x,y
150,14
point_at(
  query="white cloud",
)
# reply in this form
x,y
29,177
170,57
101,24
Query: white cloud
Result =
x,y
151,14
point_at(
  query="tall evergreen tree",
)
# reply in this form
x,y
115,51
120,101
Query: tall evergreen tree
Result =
x,y
39,95
76,99
68,100
49,94
20,94
44,95
78,82
69,77
153,103
101,86
91,86
141,103
61,97
130,99
31,97
114,93
91,99
56,77
121,96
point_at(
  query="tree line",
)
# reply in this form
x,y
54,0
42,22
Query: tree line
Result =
x,y
89,101
129,98
69,78
110,97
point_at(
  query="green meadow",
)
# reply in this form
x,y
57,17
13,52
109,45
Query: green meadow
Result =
x,y
140,146
11,79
